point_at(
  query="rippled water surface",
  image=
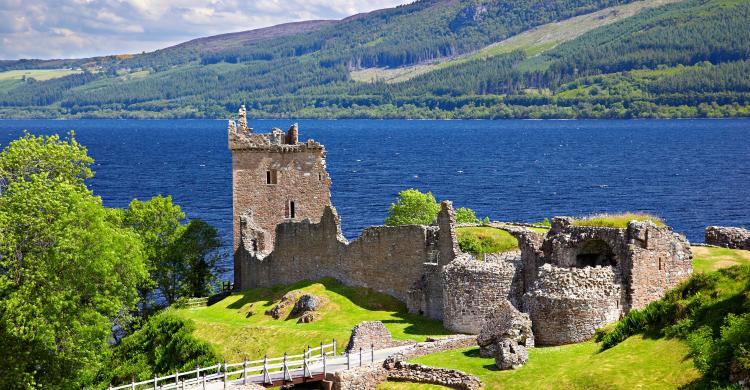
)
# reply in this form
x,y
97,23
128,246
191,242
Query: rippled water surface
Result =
x,y
693,173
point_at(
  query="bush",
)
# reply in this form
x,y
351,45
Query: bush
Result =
x,y
162,346
413,208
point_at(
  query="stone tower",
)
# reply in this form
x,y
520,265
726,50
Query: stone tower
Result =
x,y
275,179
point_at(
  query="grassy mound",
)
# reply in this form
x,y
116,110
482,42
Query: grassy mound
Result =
x,y
479,240
711,311
637,363
238,327
616,220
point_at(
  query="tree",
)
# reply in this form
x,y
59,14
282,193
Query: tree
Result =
x,y
68,269
57,158
182,258
156,221
465,215
198,245
413,208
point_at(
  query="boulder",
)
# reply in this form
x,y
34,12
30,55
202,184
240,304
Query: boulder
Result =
x,y
510,355
305,303
506,322
287,300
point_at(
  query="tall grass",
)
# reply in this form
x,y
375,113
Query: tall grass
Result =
x,y
620,220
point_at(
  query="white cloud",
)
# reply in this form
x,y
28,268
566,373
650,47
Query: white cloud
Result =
x,y
83,28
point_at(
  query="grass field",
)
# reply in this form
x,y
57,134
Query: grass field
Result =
x,y
533,42
484,239
638,363
37,74
238,327
707,259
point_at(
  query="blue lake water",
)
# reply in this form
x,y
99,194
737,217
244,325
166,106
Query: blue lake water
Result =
x,y
693,173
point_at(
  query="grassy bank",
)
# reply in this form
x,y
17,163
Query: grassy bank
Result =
x,y
238,326
637,363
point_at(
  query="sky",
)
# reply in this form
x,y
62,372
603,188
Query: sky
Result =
x,y
86,28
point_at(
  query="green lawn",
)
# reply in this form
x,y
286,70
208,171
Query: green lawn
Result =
x,y
37,74
706,259
638,363
238,327
616,220
483,239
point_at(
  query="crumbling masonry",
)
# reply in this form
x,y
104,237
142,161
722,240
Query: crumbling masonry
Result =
x,y
571,280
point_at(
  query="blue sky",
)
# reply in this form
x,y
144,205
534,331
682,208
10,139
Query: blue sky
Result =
x,y
83,28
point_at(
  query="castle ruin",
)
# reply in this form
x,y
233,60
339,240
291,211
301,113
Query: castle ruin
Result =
x,y
570,280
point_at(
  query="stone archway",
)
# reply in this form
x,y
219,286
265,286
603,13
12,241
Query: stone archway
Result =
x,y
594,252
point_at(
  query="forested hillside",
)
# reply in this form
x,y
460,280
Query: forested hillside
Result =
x,y
687,59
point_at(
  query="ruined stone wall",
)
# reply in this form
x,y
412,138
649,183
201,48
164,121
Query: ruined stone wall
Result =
x,y
472,289
566,305
728,237
388,259
659,260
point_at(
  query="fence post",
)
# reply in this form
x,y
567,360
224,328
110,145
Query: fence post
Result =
x,y
266,375
348,361
360,356
324,366
321,349
177,377
225,374
334,347
197,372
132,383
304,362
286,370
155,381
183,385
372,354
244,372
204,381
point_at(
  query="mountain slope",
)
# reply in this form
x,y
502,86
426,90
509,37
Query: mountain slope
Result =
x,y
664,61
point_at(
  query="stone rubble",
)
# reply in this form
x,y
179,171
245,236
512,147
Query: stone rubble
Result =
x,y
505,336
728,237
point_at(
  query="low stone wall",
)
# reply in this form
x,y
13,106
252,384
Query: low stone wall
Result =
x,y
418,373
567,305
361,378
473,288
728,237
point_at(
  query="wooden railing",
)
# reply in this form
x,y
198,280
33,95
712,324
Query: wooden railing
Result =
x,y
264,371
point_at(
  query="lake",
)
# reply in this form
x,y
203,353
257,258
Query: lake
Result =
x,y
692,173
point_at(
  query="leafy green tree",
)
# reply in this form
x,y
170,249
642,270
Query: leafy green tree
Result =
x,y
465,215
198,245
68,269
57,158
413,208
156,221
162,346
182,258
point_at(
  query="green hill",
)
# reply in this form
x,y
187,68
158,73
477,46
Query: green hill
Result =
x,y
238,326
451,59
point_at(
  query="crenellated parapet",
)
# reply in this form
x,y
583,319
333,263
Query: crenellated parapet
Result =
x,y
242,137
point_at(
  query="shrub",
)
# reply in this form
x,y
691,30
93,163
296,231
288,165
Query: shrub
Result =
x,y
413,208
